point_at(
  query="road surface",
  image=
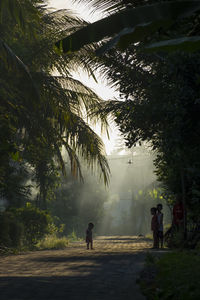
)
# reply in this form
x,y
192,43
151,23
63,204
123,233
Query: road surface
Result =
x,y
107,272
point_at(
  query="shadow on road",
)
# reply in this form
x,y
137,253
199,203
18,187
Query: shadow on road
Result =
x,y
105,277
86,275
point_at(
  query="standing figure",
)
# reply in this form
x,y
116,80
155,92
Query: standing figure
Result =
x,y
154,227
178,213
160,225
89,239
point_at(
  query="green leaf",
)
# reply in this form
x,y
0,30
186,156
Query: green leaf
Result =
x,y
14,63
186,44
15,156
140,17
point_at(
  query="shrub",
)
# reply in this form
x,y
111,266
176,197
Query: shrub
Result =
x,y
73,236
11,230
36,223
52,242
173,276
179,275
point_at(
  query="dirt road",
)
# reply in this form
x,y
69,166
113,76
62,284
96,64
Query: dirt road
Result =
x,y
108,272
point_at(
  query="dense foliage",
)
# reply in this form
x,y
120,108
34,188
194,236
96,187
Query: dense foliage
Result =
x,y
172,276
44,111
42,106
23,227
161,90
164,111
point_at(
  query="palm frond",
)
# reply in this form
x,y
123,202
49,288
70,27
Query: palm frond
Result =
x,y
104,6
73,97
18,10
60,158
87,144
64,19
14,64
74,161
77,136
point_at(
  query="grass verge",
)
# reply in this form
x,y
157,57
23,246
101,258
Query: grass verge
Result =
x,y
52,242
174,276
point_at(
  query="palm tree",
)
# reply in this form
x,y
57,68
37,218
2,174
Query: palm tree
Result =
x,y
47,112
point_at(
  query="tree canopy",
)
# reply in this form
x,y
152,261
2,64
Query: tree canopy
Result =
x,y
43,108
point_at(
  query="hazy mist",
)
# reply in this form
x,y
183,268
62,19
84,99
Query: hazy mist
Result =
x,y
122,208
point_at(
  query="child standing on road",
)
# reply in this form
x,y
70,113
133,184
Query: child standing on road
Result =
x,y
89,240
160,225
154,227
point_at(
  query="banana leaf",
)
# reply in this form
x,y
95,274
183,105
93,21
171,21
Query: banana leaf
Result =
x,y
142,20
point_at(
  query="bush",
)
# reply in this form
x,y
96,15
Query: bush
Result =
x,y
177,276
25,227
36,224
11,230
73,237
52,242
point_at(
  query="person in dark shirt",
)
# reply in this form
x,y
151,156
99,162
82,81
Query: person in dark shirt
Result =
x,y
154,227
89,240
160,224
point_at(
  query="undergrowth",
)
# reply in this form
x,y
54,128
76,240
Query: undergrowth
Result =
x,y
173,276
52,242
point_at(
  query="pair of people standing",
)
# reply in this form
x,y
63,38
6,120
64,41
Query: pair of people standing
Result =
x,y
157,226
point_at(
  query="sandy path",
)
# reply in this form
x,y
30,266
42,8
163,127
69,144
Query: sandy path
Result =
x,y
108,272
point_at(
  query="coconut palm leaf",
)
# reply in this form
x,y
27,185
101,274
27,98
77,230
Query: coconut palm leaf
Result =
x,y
74,97
14,9
18,10
105,6
13,63
60,158
74,161
58,120
62,20
62,117
143,20
78,135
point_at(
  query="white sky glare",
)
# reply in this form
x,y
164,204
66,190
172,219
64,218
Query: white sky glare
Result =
x,y
100,88
79,9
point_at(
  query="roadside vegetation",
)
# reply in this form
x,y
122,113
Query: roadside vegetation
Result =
x,y
174,275
51,242
43,110
152,57
154,61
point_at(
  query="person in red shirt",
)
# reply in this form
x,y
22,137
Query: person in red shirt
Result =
x,y
154,227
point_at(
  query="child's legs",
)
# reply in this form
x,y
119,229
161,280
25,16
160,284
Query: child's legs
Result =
x,y
91,244
161,238
155,239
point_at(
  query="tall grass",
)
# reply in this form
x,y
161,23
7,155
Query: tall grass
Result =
x,y
73,237
52,242
173,276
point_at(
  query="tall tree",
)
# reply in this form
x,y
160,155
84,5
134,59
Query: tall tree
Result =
x,y
161,91
42,112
